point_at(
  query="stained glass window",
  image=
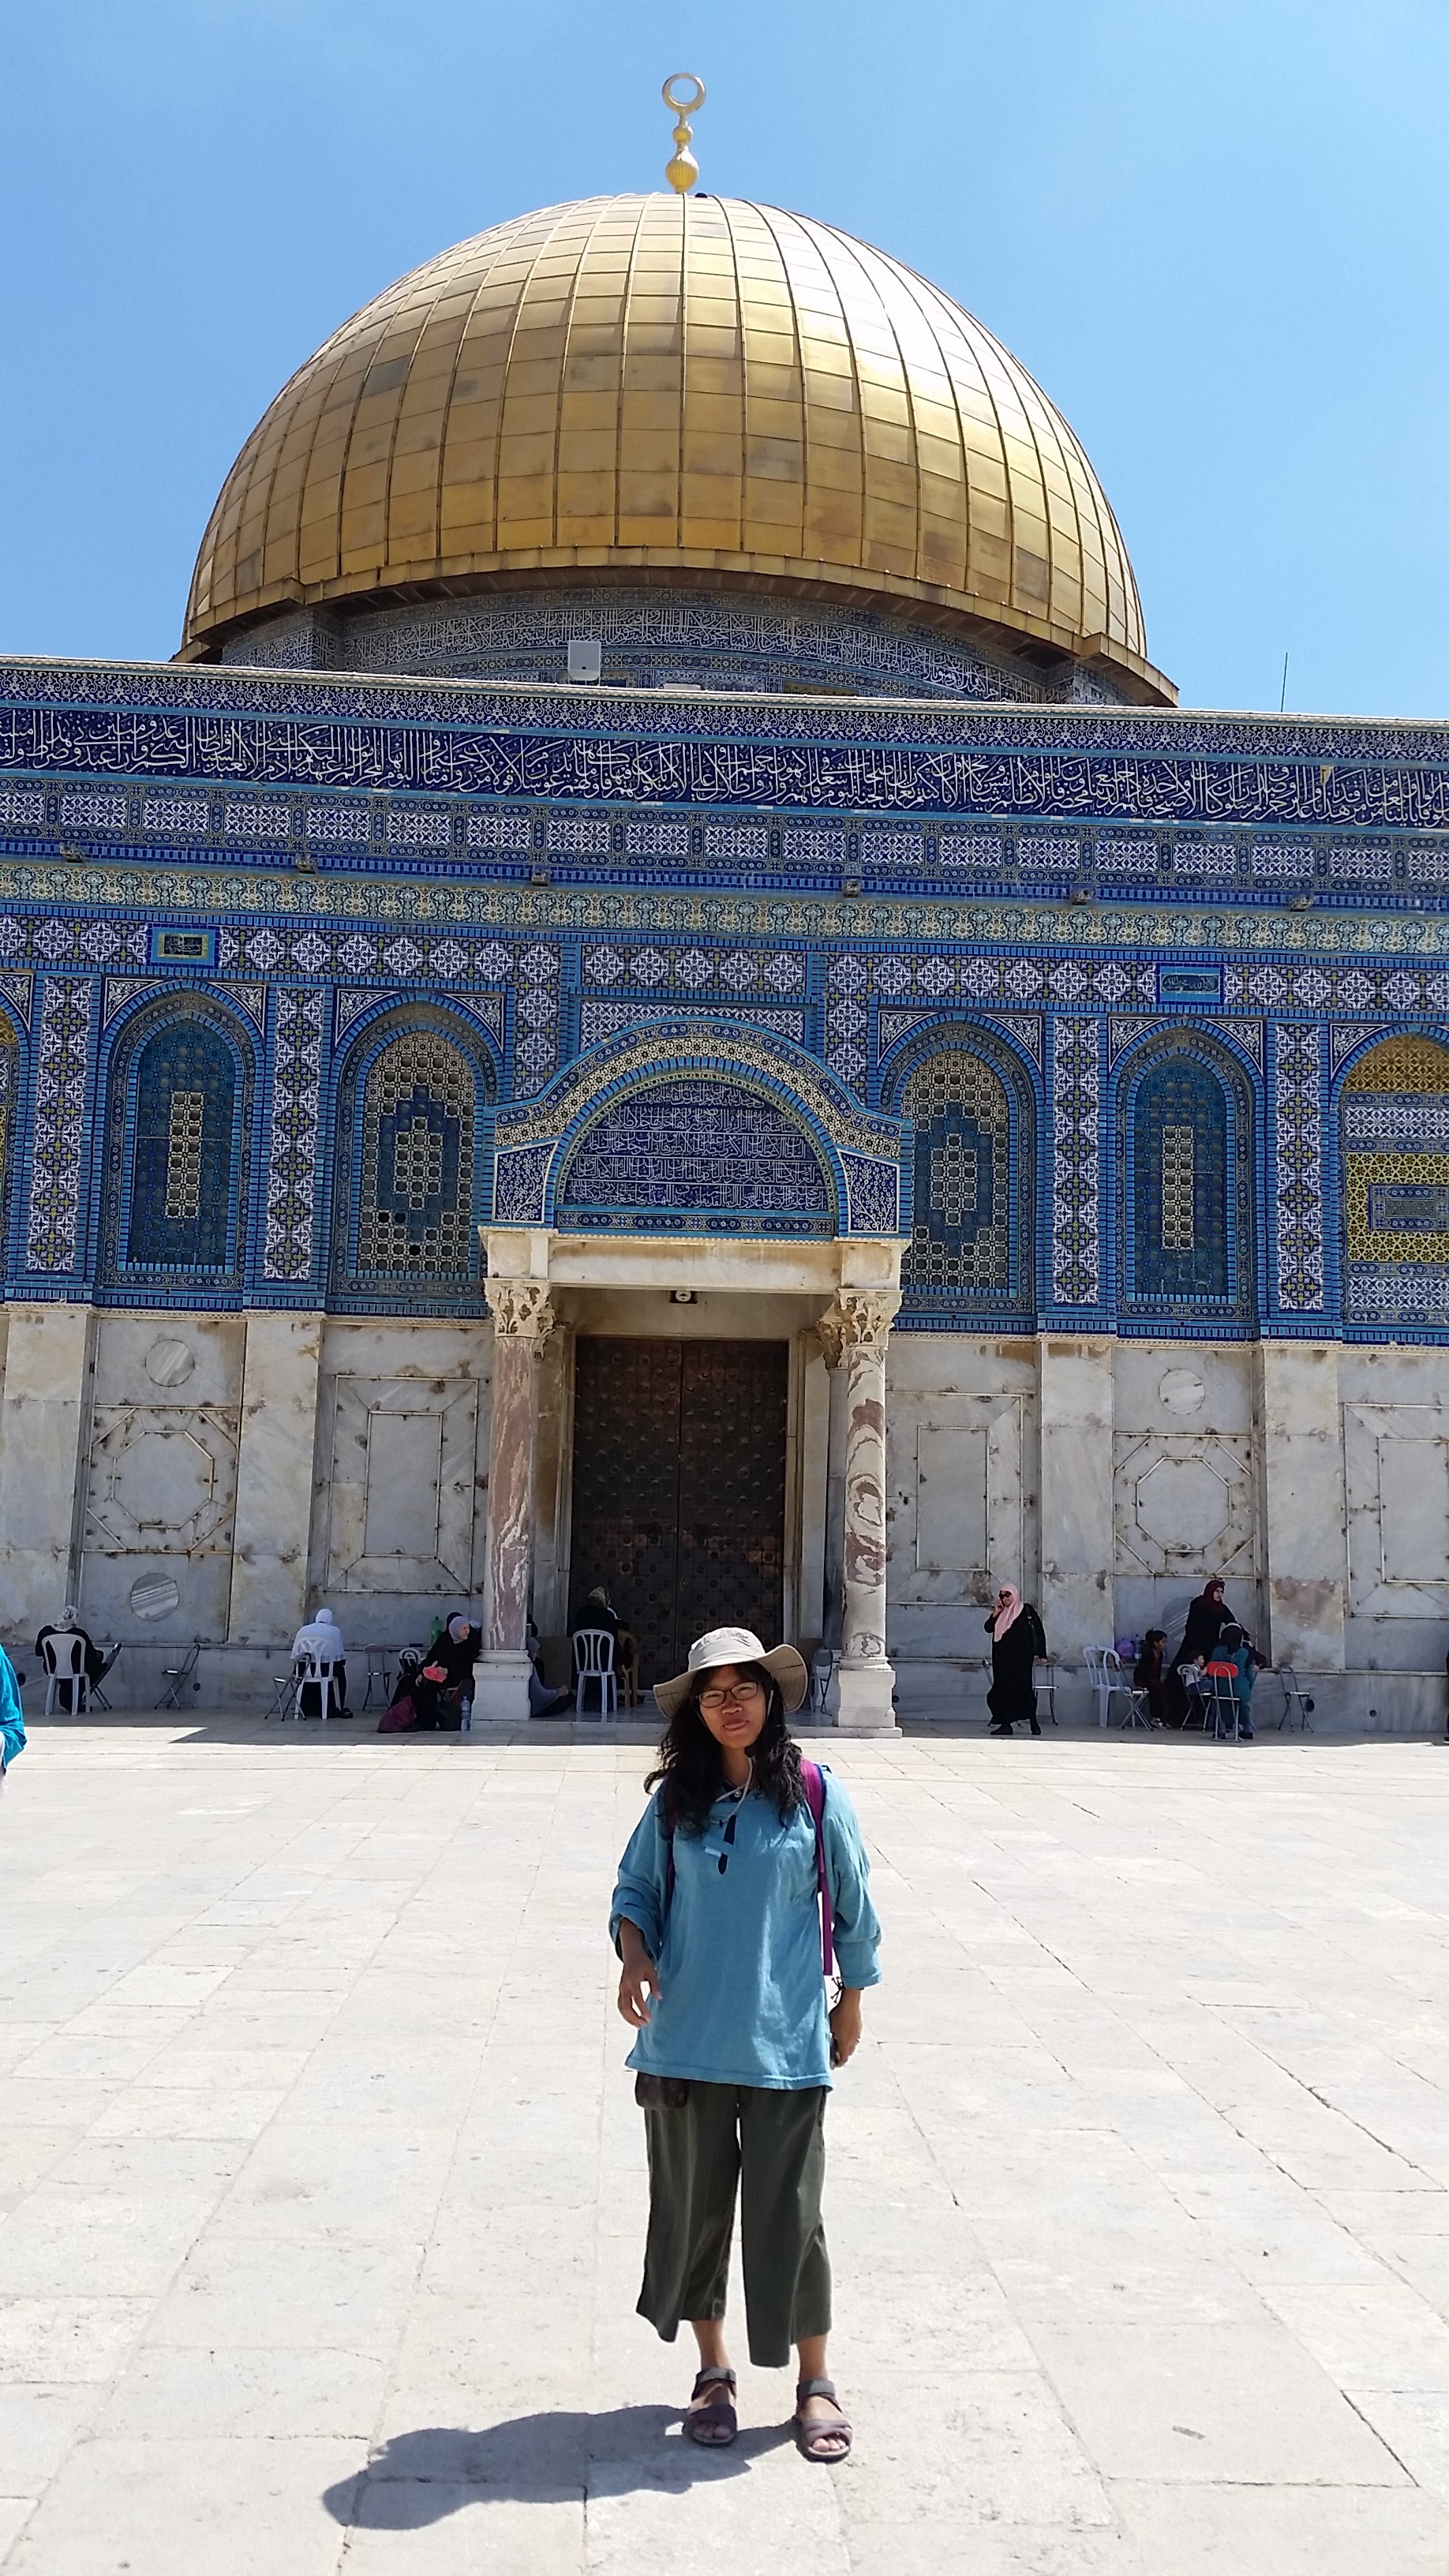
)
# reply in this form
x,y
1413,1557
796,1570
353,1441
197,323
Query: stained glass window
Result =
x,y
961,1233
1180,1202
415,1200
182,1153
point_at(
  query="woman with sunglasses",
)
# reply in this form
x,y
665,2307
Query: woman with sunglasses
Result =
x,y
716,1918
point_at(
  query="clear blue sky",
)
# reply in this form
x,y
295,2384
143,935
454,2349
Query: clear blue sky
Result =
x,y
1214,229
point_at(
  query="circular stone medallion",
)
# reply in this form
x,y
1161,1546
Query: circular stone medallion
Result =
x,y
1182,1390
155,1596
169,1362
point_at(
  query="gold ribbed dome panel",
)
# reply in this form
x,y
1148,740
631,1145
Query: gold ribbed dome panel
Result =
x,y
680,388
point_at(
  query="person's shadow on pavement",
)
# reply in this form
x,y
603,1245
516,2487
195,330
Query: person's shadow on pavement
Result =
x,y
419,2478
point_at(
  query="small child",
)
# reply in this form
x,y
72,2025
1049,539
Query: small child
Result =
x,y
1147,1674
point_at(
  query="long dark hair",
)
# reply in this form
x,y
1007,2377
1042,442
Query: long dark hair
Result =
x,y
689,1757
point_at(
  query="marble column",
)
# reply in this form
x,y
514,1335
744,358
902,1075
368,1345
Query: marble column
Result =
x,y
274,1478
863,1317
1304,1522
49,1354
522,1321
832,1344
1076,1596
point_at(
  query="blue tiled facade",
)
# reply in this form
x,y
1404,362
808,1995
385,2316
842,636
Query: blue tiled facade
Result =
x,y
966,962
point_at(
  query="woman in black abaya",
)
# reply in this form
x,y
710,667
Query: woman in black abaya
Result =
x,y
1017,1639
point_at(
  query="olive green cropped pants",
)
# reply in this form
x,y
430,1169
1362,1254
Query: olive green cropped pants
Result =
x,y
771,2146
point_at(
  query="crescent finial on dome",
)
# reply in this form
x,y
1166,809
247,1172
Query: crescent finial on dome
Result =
x,y
682,172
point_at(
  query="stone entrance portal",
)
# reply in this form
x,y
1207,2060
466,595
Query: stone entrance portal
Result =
x,y
679,1487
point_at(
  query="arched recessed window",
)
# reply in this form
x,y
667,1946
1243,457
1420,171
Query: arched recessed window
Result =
x,y
1187,1212
1394,1133
183,1151
407,1163
965,1249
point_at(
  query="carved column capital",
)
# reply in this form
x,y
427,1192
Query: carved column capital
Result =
x,y
857,1319
831,1337
521,1310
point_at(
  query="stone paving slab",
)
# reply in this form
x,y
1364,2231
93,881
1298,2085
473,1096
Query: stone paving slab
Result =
x,y
322,2191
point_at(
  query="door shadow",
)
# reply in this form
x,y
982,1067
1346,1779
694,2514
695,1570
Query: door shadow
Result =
x,y
421,2477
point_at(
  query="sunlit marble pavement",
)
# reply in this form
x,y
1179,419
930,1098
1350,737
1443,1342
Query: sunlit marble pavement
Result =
x,y
322,2185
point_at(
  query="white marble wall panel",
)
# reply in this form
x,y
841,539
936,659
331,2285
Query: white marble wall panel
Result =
x,y
962,1487
1185,1482
1395,1414
1300,1466
160,1476
274,1477
400,1504
46,1400
1076,1595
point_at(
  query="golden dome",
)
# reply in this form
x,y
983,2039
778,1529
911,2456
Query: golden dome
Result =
x,y
661,388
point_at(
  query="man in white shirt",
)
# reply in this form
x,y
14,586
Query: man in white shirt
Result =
x,y
322,1638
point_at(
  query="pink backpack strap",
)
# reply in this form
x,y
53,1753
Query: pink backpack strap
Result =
x,y
812,1780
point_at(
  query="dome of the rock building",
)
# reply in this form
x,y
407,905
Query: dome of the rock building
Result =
x,y
675,391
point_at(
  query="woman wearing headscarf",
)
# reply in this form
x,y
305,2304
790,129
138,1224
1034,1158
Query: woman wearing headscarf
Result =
x,y
1017,1638
1207,1616
446,1679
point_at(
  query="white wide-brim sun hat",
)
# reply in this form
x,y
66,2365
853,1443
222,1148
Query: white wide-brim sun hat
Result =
x,y
736,1646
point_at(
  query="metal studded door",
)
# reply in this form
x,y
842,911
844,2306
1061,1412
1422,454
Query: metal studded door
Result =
x,y
679,1488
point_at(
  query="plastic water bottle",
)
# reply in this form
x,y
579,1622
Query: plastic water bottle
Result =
x,y
466,1711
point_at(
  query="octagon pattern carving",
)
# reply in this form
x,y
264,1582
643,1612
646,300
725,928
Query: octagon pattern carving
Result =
x,y
1184,1503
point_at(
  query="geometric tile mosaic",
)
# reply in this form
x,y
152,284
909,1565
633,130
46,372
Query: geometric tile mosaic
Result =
x,y
53,1215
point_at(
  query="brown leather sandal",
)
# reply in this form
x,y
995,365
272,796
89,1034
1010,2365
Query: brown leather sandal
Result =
x,y
714,2424
809,2435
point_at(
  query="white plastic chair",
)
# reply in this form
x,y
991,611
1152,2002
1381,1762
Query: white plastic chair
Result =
x,y
1107,1679
594,1662
63,1654
311,1668
1046,1689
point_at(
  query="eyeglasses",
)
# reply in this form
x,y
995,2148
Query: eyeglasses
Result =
x,y
715,1702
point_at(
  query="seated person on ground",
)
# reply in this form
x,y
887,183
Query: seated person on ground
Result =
x,y
446,1679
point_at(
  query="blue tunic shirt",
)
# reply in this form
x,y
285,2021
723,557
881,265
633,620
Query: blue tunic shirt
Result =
x,y
743,1998
12,1724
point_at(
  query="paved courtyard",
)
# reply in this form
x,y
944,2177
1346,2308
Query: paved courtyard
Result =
x,y
321,2186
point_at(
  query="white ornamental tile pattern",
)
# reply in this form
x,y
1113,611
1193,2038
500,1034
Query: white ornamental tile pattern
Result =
x,y
53,1215
1076,1184
1297,1163
536,1013
292,1146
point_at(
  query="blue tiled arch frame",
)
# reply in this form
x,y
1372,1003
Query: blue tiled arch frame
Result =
x,y
1218,1052
1437,1034
392,1015
118,1063
860,1149
1008,1057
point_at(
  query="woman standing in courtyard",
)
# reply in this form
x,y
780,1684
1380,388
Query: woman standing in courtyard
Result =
x,y
743,1863
1017,1638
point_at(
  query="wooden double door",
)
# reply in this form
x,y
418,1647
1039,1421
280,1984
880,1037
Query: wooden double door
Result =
x,y
679,1488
